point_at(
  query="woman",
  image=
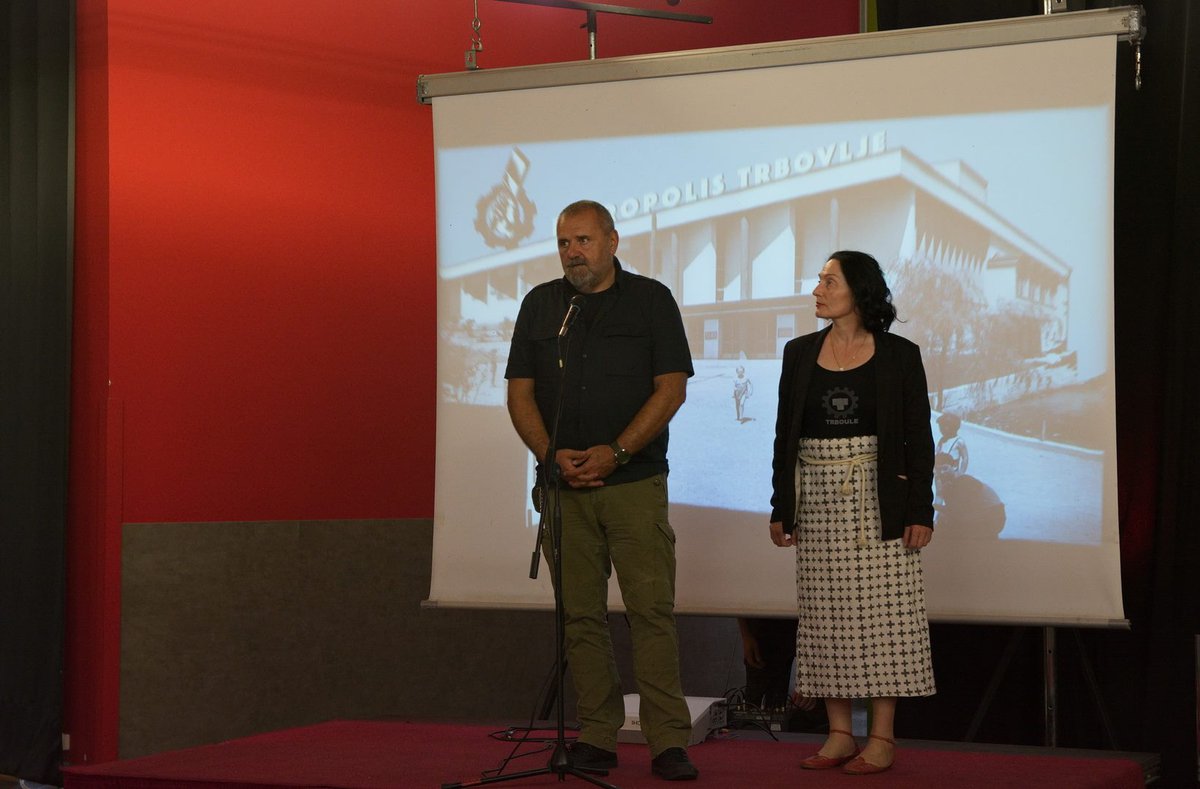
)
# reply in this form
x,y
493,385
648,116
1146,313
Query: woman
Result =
x,y
853,492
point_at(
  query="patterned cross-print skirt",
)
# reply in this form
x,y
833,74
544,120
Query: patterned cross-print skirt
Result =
x,y
863,629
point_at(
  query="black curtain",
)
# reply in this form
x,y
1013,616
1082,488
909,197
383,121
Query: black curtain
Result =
x,y
1158,281
1144,693
36,219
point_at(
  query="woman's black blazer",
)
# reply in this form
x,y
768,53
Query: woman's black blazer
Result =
x,y
905,438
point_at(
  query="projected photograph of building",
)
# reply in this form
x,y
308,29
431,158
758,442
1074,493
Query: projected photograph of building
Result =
x,y
989,305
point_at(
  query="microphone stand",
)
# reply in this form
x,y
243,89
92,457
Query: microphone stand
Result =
x,y
560,761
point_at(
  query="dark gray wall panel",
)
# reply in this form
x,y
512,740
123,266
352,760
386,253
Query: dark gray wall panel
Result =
x,y
230,629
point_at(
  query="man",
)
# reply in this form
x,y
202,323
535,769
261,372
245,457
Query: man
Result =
x,y
624,377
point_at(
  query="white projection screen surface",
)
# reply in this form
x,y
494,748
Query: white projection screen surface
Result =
x,y
982,179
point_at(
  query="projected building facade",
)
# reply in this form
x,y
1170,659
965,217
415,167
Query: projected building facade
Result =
x,y
982,298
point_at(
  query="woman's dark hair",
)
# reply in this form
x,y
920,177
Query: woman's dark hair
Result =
x,y
872,298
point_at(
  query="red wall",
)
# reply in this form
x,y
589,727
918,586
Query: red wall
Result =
x,y
255,263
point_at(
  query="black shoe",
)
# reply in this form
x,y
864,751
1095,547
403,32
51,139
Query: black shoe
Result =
x,y
673,765
589,758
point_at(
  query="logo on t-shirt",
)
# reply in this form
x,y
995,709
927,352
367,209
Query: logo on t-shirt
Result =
x,y
841,406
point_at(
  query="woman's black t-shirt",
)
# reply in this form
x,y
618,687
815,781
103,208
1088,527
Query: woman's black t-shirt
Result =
x,y
840,404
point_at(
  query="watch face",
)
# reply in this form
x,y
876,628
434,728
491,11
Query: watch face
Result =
x,y
620,454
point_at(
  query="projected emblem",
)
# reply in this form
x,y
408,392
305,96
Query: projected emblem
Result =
x,y
504,216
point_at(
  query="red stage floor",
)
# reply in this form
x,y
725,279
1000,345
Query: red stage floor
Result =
x,y
373,754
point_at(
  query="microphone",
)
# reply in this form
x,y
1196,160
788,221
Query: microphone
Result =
x,y
572,314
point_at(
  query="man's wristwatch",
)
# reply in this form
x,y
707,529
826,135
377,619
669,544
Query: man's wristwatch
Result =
x,y
620,454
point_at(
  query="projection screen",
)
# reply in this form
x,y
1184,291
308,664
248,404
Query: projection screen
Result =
x,y
981,178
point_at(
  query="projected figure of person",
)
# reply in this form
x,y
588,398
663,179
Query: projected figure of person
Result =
x,y
742,390
950,458
966,506
853,494
625,375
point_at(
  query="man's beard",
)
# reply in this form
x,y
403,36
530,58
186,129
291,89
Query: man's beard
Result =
x,y
581,277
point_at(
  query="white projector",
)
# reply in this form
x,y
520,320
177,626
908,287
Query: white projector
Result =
x,y
706,714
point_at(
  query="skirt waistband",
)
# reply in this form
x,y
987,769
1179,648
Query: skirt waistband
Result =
x,y
853,464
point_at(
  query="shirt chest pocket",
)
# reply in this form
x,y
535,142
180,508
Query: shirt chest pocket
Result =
x,y
546,344
624,350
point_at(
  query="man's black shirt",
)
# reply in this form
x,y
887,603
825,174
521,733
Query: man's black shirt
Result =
x,y
623,338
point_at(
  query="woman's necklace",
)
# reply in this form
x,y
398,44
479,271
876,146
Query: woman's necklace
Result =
x,y
833,347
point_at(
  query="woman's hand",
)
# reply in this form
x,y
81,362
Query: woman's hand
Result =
x,y
917,536
779,537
